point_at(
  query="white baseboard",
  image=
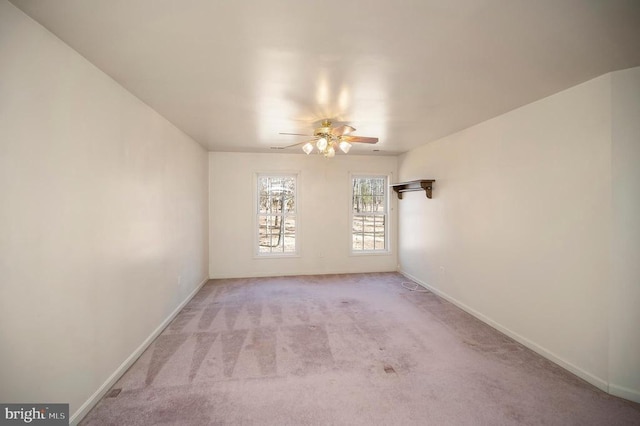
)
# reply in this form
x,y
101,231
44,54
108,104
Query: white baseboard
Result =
x,y
588,377
102,390
626,393
289,273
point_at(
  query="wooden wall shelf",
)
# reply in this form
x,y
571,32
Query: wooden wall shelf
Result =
x,y
425,185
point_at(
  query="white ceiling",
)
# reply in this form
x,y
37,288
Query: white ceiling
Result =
x,y
232,74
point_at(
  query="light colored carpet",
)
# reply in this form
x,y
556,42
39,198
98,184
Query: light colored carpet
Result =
x,y
347,350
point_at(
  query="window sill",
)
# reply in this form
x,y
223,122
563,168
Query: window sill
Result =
x,y
371,253
276,256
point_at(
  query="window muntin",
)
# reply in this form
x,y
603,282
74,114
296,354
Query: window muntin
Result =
x,y
276,214
369,214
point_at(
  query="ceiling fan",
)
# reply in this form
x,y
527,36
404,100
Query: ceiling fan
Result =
x,y
327,139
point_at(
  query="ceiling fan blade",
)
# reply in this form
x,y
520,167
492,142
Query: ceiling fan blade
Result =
x,y
342,130
296,134
359,139
291,146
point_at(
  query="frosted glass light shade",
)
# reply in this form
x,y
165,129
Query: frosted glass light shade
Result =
x,y
321,144
307,148
331,152
345,147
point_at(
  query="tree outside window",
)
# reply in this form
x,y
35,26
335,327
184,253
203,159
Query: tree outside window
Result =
x,y
276,214
369,214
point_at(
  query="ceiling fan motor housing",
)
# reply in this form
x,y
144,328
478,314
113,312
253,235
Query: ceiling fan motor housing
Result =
x,y
324,130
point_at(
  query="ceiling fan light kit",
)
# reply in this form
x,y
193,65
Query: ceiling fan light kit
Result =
x,y
322,144
308,148
329,139
345,146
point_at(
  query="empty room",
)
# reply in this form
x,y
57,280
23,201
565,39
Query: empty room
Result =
x,y
300,213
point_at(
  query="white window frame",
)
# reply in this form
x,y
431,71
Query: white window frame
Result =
x,y
385,214
296,215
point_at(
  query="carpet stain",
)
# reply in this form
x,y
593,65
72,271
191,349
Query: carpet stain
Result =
x,y
389,369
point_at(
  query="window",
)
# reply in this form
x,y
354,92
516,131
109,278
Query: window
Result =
x,y
276,214
369,214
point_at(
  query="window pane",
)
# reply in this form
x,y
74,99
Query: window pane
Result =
x,y
356,204
289,185
368,240
378,233
369,209
263,195
289,235
276,205
368,195
276,235
357,232
276,194
357,241
263,249
268,233
379,204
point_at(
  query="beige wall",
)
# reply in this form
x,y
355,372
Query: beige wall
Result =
x,y
624,310
522,223
518,229
324,193
103,219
